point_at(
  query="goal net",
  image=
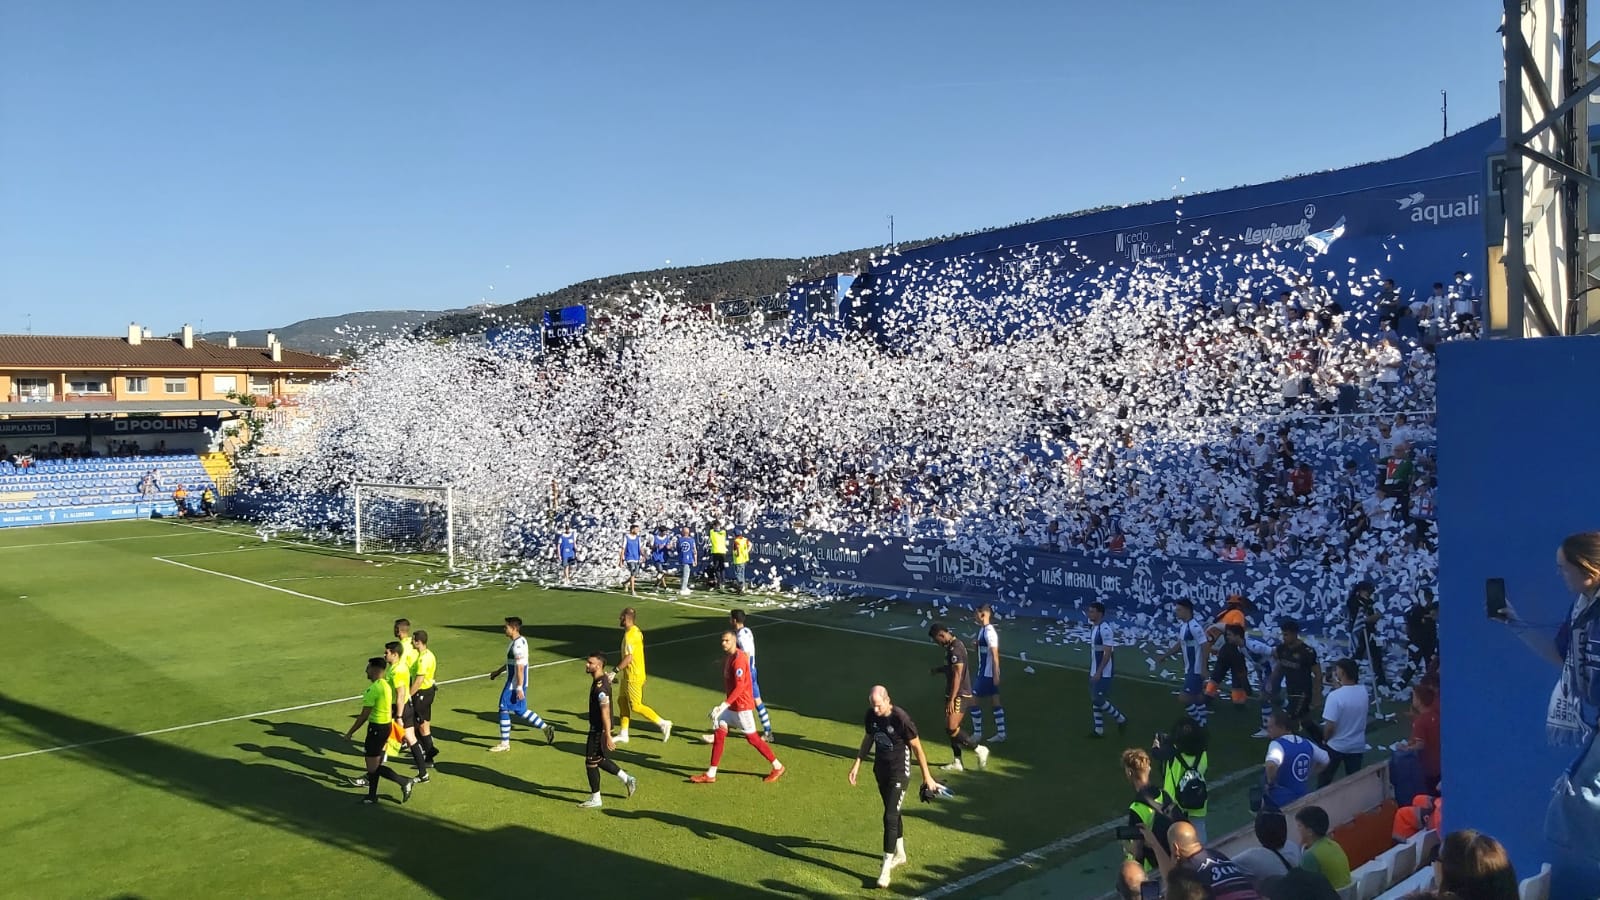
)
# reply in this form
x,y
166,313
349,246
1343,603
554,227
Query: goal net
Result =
x,y
430,520
406,518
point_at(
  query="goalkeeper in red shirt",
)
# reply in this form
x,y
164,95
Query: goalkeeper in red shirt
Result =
x,y
738,709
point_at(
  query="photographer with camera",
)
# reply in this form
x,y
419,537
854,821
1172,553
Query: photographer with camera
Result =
x,y
1184,761
1147,810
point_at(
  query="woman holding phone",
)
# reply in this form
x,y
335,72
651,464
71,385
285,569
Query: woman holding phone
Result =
x,y
1573,817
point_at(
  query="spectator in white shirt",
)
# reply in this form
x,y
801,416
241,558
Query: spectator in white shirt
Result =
x,y
1344,722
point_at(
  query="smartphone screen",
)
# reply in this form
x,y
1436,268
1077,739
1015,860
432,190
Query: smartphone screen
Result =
x,y
1150,890
1494,596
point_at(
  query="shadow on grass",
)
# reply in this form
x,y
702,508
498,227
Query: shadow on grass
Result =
x,y
786,846
462,862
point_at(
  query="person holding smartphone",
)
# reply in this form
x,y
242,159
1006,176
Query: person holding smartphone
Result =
x,y
1573,817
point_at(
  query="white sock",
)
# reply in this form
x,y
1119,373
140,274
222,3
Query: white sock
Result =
x,y
900,847
595,797
776,765
712,771
622,776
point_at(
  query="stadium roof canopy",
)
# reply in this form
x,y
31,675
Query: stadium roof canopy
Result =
x,y
123,407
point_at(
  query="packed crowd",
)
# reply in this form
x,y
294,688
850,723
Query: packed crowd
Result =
x,y
1157,417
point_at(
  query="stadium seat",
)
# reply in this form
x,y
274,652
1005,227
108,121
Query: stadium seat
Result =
x,y
1429,845
1537,887
1403,860
1419,880
1370,880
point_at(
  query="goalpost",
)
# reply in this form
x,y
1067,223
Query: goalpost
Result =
x,y
405,518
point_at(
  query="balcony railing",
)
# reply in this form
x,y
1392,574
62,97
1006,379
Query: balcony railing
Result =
x,y
42,394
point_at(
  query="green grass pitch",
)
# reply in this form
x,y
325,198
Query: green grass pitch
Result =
x,y
170,727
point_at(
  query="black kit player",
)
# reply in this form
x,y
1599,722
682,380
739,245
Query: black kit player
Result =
x,y
957,694
597,751
893,738
1295,663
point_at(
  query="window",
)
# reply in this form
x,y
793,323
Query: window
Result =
x,y
138,384
31,389
224,384
89,384
261,385
176,385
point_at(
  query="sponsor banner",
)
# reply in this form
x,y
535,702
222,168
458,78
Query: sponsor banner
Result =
x,y
27,428
16,496
164,425
60,514
1033,582
74,429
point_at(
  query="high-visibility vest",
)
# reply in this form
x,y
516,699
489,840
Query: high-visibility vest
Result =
x,y
741,550
719,542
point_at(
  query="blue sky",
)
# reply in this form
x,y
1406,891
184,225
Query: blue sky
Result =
x,y
249,165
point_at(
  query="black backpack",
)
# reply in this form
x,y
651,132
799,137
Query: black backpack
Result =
x,y
1191,790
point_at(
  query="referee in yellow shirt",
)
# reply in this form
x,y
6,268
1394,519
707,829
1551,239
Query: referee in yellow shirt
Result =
x,y
630,693
399,679
423,687
377,708
408,653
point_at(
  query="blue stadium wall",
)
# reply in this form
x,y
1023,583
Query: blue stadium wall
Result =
x,y
1417,219
1517,428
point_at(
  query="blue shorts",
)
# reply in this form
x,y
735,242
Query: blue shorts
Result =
x,y
569,560
1194,683
755,682
509,705
984,686
1100,687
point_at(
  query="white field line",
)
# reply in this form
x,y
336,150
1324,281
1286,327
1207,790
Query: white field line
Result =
x,y
1039,854
327,548
418,595
214,552
259,584
134,537
303,706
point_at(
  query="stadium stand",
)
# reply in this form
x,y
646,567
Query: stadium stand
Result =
x,y
106,488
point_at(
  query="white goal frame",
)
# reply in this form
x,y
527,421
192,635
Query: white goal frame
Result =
x,y
445,492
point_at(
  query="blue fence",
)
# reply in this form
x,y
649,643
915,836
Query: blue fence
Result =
x,y
1035,582
58,515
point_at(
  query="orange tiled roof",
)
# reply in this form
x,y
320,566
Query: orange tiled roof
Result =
x,y
37,351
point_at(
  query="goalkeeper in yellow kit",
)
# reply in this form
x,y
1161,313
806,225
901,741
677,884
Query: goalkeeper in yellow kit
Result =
x,y
631,675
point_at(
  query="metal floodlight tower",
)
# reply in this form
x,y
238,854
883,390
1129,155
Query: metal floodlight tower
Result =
x,y
1552,265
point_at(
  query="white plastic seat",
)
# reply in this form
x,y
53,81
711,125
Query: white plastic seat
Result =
x,y
1536,887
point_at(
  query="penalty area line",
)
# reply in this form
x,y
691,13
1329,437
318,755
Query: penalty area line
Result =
x,y
131,537
242,580
288,709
